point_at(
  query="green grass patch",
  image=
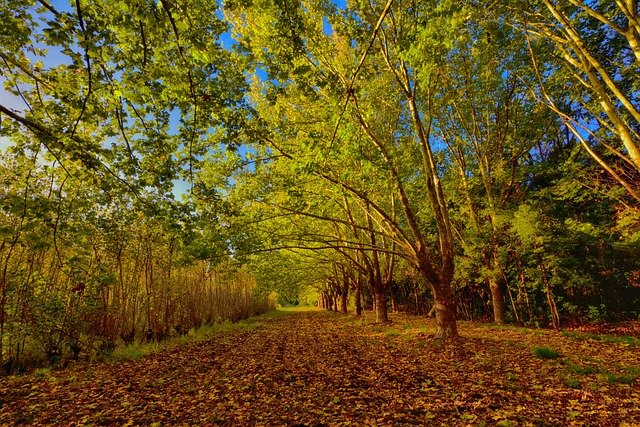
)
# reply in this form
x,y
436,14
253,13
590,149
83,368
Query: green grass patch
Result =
x,y
633,370
134,351
546,353
388,331
510,376
618,379
590,359
412,328
392,333
139,350
572,383
612,339
519,329
581,370
42,373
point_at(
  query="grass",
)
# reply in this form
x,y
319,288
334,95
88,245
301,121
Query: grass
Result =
x,y
633,370
390,332
618,379
546,353
520,329
134,351
42,372
581,370
138,350
629,377
612,339
510,376
572,383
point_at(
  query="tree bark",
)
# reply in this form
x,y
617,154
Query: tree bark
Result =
x,y
344,297
497,300
444,304
382,315
358,299
394,302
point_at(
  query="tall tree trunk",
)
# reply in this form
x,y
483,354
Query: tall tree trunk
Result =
x,y
344,297
496,286
394,301
497,300
553,308
358,298
444,304
382,315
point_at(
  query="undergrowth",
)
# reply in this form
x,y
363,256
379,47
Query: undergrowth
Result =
x,y
139,350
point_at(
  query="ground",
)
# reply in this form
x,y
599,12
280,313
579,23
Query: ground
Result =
x,y
314,368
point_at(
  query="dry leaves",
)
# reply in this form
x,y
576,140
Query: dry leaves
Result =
x,y
323,369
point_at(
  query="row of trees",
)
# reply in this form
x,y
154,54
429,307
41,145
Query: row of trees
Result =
x,y
82,273
485,151
106,106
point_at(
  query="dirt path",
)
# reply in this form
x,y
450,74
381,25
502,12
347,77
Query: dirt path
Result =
x,y
323,369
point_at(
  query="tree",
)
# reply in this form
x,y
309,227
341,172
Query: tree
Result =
x,y
591,81
490,125
323,106
135,89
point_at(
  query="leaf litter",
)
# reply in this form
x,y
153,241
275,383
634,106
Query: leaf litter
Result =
x,y
314,368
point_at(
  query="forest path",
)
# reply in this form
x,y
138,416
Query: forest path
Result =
x,y
314,368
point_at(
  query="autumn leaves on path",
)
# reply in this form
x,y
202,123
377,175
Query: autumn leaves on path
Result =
x,y
321,369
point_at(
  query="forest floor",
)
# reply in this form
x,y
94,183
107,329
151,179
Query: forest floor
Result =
x,y
314,368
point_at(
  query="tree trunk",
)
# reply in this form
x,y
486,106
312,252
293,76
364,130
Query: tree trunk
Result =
x,y
497,300
394,302
344,297
382,315
358,298
553,308
325,301
444,303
